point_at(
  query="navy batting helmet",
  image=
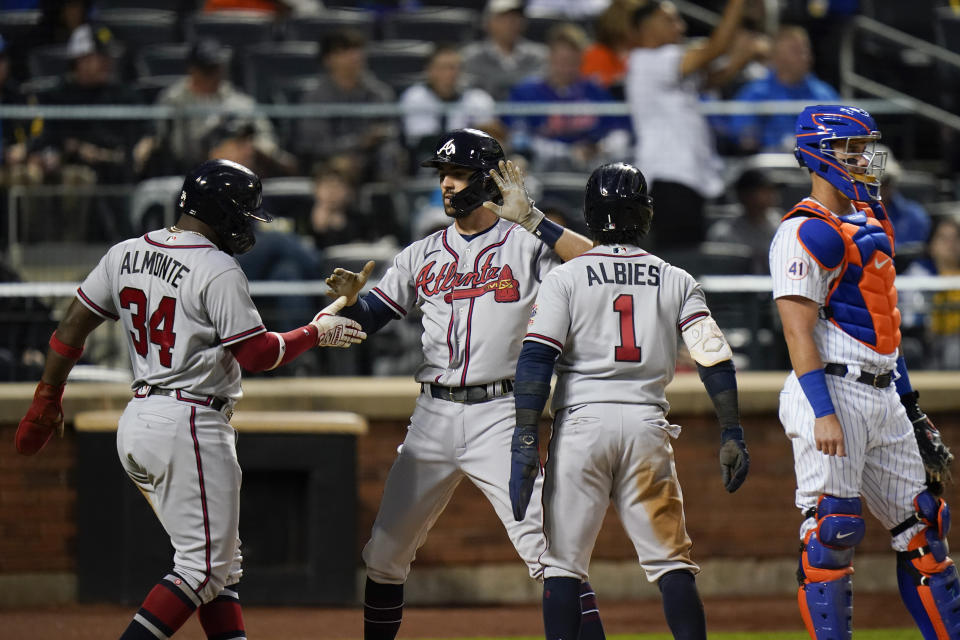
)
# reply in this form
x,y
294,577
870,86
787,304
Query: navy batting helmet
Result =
x,y
227,196
470,149
616,199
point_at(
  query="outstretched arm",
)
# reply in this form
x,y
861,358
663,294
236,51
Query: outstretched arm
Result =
x,y
518,207
45,414
266,351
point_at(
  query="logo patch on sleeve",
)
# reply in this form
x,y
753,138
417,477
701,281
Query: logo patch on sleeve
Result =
x,y
797,269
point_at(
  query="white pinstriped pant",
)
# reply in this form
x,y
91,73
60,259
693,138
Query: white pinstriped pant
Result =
x,y
882,463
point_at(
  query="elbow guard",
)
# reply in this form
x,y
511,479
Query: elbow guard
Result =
x,y
706,343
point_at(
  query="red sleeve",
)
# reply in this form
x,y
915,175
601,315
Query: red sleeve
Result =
x,y
262,352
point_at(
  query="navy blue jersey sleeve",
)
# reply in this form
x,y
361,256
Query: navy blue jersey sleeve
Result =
x,y
370,312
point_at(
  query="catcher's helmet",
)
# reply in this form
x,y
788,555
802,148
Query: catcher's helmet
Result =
x,y
226,196
470,149
824,135
616,199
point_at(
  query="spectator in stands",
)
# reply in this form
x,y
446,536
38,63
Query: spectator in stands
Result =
x,y
938,311
605,61
568,142
788,77
369,145
911,222
335,218
755,221
505,57
13,133
424,104
87,151
676,150
27,325
181,140
58,20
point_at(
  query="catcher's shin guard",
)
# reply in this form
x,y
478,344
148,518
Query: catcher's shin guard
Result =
x,y
927,577
825,595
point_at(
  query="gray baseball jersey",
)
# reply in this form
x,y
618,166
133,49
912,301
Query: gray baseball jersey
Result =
x,y
475,297
616,313
182,302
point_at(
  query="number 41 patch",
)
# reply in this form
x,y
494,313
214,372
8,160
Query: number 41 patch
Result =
x,y
797,269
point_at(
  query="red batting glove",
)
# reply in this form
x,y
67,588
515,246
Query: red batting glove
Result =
x,y
44,416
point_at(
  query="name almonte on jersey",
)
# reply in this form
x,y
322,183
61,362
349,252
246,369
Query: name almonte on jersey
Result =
x,y
623,273
155,263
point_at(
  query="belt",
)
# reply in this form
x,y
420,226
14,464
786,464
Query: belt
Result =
x,y
878,380
470,394
208,401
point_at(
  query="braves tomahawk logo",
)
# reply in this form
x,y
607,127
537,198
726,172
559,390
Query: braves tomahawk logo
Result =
x,y
462,286
448,148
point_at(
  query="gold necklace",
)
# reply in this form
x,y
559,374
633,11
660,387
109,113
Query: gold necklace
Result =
x,y
175,229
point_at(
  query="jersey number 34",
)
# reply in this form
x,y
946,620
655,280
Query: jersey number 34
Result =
x,y
160,327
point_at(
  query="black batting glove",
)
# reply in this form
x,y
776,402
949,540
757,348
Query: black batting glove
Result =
x,y
734,458
524,467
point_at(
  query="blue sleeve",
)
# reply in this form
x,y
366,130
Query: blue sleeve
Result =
x,y
534,368
370,312
822,241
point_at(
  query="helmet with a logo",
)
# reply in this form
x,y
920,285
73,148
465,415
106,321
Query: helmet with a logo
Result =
x,y
227,196
838,143
470,149
616,199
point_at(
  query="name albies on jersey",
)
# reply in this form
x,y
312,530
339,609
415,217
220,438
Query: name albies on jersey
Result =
x,y
626,309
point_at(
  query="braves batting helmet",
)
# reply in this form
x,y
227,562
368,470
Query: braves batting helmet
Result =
x,y
616,199
227,196
838,143
470,149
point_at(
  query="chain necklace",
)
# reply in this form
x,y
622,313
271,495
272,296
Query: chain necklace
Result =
x,y
175,229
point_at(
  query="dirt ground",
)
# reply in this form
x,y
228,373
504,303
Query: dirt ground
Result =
x,y
102,622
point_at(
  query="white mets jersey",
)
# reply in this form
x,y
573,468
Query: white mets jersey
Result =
x,y
616,314
182,302
796,273
475,296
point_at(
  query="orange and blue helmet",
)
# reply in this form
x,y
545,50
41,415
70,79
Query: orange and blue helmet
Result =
x,y
838,143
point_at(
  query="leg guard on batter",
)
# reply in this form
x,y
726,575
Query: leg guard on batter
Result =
x,y
927,577
826,558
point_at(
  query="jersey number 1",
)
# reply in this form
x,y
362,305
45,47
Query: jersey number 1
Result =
x,y
161,323
628,351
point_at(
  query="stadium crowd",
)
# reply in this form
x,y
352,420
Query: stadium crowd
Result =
x,y
720,182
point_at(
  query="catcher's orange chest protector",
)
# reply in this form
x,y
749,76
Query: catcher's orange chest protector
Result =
x,y
863,299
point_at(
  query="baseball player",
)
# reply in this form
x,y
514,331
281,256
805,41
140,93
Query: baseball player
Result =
x,y
475,282
848,406
614,316
191,325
